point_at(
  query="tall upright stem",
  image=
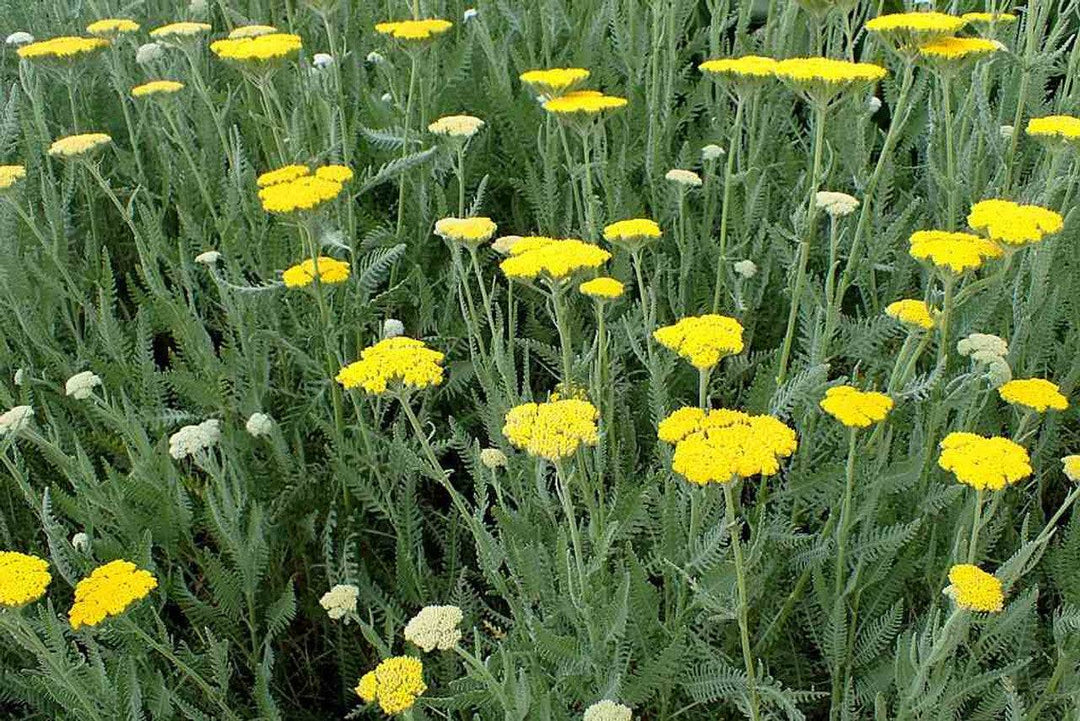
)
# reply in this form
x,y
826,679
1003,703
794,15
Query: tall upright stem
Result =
x,y
946,315
405,141
844,527
953,190
743,610
557,302
586,196
725,208
976,522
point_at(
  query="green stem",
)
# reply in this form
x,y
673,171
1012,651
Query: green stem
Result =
x,y
590,224
976,523
946,312
725,208
405,141
743,610
844,527
953,190
557,302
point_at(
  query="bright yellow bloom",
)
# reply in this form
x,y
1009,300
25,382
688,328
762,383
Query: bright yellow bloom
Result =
x,y
414,29
982,462
111,27
1071,467
251,31
395,684
584,102
855,408
553,430
1055,127
305,193
330,272
906,29
703,340
74,146
467,231
11,174
554,81
23,579
282,175
538,257
910,312
156,87
957,252
456,126
822,79
1003,18
1034,393
403,361
973,589
61,48
602,288
1012,223
181,29
747,67
958,48
258,50
632,234
336,173
108,591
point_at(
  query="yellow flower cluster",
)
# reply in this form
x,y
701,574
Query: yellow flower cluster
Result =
x,y
180,30
1012,223
74,146
916,26
111,27
1003,18
1055,127
329,272
823,78
11,174
259,49
400,360
747,67
973,589
23,579
553,430
855,408
456,126
293,187
284,174
554,81
602,288
583,102
470,232
395,684
251,31
156,87
541,257
108,591
1034,393
633,233
720,445
61,48
703,340
982,462
414,29
1070,465
949,48
911,312
957,252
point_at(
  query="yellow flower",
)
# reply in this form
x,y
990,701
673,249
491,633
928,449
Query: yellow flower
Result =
x,y
554,81
632,234
470,232
11,174
1012,223
602,288
906,29
957,252
156,87
108,591
23,579
584,102
1003,18
336,173
855,408
61,48
258,50
551,259
958,48
1071,467
304,193
456,126
1055,127
982,462
973,589
74,146
181,29
703,340
414,29
718,446
403,361
910,312
1034,393
251,31
553,430
395,684
822,79
282,175
111,27
330,271
747,71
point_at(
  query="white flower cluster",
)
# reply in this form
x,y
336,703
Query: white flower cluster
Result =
x,y
435,627
191,440
837,205
685,178
260,424
340,600
15,419
990,351
607,710
81,385
493,458
456,126
746,268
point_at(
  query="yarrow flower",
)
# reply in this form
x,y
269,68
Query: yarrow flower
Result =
x,y
395,684
836,205
470,232
259,424
551,259
685,178
19,37
61,48
109,591
915,28
855,408
435,627
304,193
180,30
283,174
989,351
148,53
76,146
392,328
340,600
745,269
742,69
156,87
23,579
982,462
251,31
10,175
1012,223
1034,393
711,152
554,430
456,126
608,710
1071,467
330,271
194,439
493,458
404,362
258,50
80,542
955,252
111,27
1065,128
81,385
414,29
602,288
1003,18
823,79
912,313
554,81
956,49
633,234
15,419
973,589
583,102
208,257
703,340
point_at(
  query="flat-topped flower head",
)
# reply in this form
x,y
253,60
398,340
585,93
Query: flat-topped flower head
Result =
x,y
632,234
15,419
554,430
456,126
584,103
744,73
718,446
973,589
984,463
414,30
180,30
1055,129
822,80
554,81
305,193
470,232
109,591
855,408
1014,224
1070,465
62,48
602,288
1036,394
608,710
156,88
330,272
703,340
834,204
283,174
10,175
953,50
395,684
78,146
340,601
912,313
537,257
251,31
335,173
982,345
989,18
399,362
954,252
23,579
260,50
435,627
905,30
111,27
683,178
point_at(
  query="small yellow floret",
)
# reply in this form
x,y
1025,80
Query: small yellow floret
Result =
x,y
282,175
330,272
956,252
602,288
911,312
973,589
156,87
1055,127
958,48
395,684
1034,393
703,340
180,30
335,173
554,81
718,446
553,430
467,231
61,48
74,146
11,174
110,27
982,462
414,29
746,67
583,102
251,31
400,360
259,49
551,259
855,408
23,579
1070,465
1012,223
108,591
304,193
